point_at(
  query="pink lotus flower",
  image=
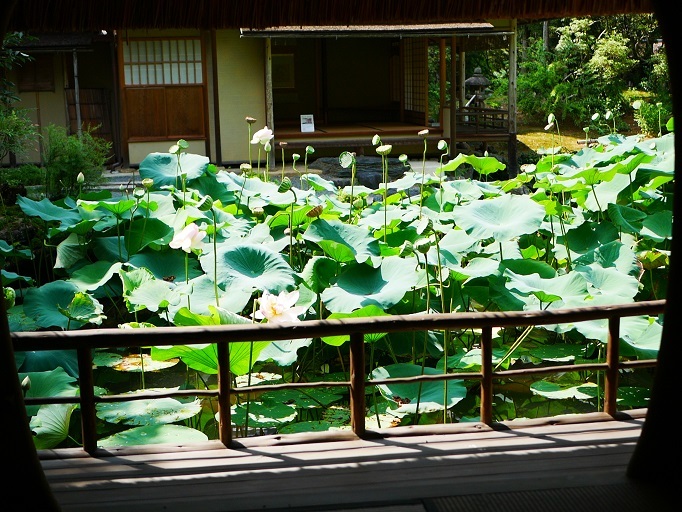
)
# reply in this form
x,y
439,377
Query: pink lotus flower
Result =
x,y
189,238
279,308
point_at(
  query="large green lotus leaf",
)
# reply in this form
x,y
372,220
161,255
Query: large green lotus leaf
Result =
x,y
609,282
318,183
617,254
12,277
375,216
19,321
664,161
283,352
658,226
365,312
154,411
454,246
48,211
633,397
94,275
51,425
626,218
604,193
167,265
250,268
262,416
527,267
84,308
361,285
143,232
554,391
319,272
501,218
118,207
50,383
204,358
154,434
343,242
7,250
42,304
165,169
208,185
585,238
566,288
430,395
201,293
154,295
641,334
48,360
311,398
471,360
482,164
110,248
70,251
561,353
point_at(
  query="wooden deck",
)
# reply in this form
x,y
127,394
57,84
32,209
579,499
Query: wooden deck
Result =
x,y
558,465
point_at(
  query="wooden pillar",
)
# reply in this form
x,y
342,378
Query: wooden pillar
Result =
x,y
269,110
453,98
443,74
512,166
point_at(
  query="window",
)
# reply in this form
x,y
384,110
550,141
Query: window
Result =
x,y
37,74
164,88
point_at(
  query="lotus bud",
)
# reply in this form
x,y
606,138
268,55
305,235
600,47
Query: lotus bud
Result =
x,y
376,140
138,192
285,185
205,204
250,120
295,157
80,178
309,150
10,297
423,133
148,183
26,384
258,211
422,245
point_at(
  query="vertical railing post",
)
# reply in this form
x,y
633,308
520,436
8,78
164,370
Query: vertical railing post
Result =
x,y
86,383
487,375
612,360
224,383
357,383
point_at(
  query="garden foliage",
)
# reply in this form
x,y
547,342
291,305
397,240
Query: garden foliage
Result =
x,y
196,245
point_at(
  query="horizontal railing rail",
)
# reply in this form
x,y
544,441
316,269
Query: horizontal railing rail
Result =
x,y
85,341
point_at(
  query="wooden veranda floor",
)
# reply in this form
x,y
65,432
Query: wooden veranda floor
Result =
x,y
562,465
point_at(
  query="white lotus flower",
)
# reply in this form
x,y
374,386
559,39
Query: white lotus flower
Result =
x,y
262,136
189,238
279,308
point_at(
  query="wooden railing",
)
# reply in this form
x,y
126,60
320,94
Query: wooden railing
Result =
x,y
481,120
84,341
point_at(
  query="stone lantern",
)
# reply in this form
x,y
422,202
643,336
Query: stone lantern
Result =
x,y
475,87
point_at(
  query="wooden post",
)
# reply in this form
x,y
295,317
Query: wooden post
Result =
x,y
512,166
87,397
453,98
487,373
357,383
224,402
612,356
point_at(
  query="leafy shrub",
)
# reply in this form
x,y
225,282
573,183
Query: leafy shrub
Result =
x,y
65,156
26,175
651,118
17,132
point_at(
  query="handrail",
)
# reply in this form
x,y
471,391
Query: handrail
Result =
x,y
84,341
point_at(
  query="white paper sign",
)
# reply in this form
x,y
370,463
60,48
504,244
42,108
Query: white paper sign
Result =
x,y
307,123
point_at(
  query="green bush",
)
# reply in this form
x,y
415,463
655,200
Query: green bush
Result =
x,y
651,117
17,132
65,156
26,175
